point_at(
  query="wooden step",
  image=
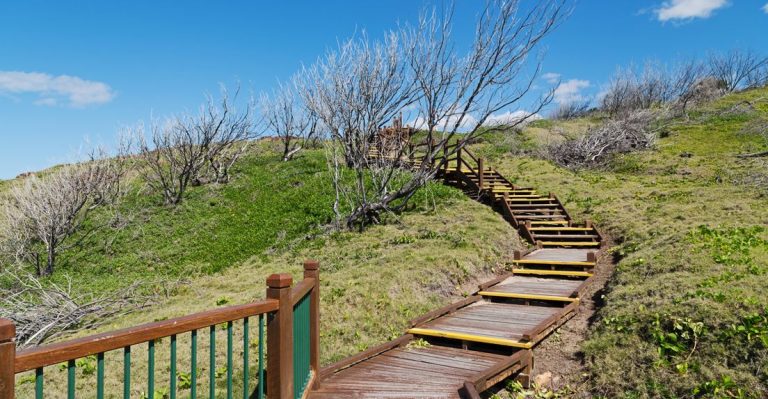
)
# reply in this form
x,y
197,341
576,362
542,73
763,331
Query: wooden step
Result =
x,y
569,243
536,199
577,236
545,262
550,211
534,217
536,205
532,297
563,273
549,223
471,338
561,229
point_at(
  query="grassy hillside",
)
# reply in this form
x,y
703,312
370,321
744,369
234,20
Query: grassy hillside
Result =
x,y
372,284
223,242
685,314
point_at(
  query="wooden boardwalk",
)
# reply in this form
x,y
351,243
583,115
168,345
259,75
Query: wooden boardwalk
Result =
x,y
467,347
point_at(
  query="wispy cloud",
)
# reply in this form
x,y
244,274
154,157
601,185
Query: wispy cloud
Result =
x,y
688,9
53,90
551,77
469,121
765,8
510,118
570,91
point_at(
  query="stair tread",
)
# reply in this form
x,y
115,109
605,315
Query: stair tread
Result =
x,y
565,236
570,243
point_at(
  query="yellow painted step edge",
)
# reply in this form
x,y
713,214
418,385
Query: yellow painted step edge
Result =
x,y
570,243
471,338
561,229
528,296
552,262
551,272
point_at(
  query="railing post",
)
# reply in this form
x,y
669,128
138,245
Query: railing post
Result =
x,y
312,270
458,156
280,338
7,359
481,172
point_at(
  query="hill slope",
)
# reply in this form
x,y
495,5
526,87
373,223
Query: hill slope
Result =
x,y
685,313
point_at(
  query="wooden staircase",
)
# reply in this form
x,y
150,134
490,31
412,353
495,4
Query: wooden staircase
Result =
x,y
466,347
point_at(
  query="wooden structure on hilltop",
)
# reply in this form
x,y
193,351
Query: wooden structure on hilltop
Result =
x,y
456,351
391,142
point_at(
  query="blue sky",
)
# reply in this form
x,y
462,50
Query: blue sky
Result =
x,y
78,71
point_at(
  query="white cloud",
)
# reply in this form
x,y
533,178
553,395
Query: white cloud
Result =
x,y
76,91
765,8
509,118
469,121
688,9
551,77
570,91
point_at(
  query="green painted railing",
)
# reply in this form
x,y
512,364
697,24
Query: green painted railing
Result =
x,y
301,347
292,340
76,354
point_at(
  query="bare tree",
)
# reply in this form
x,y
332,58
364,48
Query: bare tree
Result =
x,y
359,88
190,149
631,90
686,83
41,214
737,69
293,123
229,132
44,311
571,110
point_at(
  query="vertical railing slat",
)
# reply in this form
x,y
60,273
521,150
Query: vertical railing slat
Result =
x,y
173,367
39,383
212,364
127,372
193,364
100,375
261,357
151,370
71,369
229,360
246,363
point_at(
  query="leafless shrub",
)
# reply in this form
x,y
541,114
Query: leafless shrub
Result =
x,y
738,69
295,125
42,311
360,87
570,110
616,136
193,149
631,90
41,214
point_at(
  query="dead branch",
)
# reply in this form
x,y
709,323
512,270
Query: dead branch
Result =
x,y
43,311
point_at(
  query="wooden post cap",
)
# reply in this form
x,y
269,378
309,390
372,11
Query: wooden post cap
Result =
x,y
7,330
279,280
311,264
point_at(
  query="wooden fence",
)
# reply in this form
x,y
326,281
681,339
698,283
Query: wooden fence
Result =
x,y
292,350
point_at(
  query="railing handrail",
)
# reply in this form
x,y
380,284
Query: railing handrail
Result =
x,y
33,358
302,289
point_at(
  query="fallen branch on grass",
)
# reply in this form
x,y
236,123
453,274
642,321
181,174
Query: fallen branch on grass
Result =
x,y
45,311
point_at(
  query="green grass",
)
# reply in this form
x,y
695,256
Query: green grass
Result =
x,y
685,313
223,241
269,206
372,283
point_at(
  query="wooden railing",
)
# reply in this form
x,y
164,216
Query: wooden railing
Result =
x,y
292,322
